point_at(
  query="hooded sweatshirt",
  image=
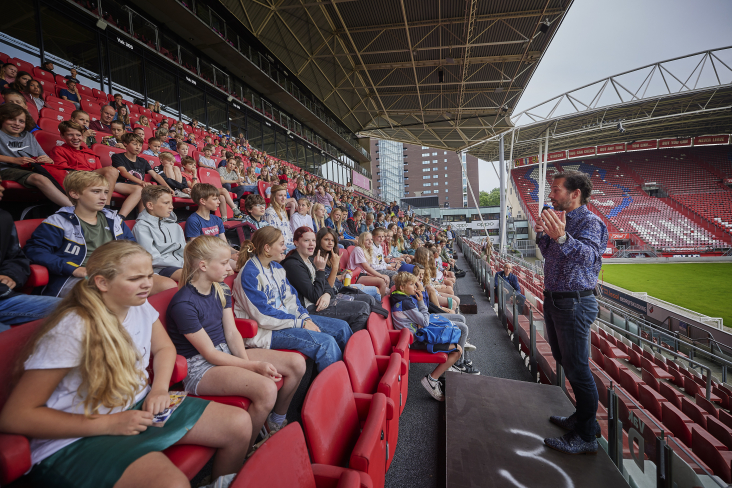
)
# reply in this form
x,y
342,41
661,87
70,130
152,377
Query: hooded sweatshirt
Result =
x,y
163,238
408,312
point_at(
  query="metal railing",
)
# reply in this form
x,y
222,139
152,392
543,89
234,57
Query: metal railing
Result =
x,y
656,459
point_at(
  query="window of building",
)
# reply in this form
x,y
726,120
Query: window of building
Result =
x,y
446,197
426,192
445,166
425,154
445,152
426,184
445,191
426,177
434,161
425,170
437,191
445,174
426,162
435,176
434,154
425,147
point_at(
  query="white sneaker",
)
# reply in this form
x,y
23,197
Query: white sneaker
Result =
x,y
222,481
469,347
433,389
453,369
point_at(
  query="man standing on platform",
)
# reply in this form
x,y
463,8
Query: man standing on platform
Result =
x,y
572,240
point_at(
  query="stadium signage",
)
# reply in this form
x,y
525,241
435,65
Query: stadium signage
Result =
x,y
557,156
611,148
669,143
711,140
631,302
642,145
619,236
578,153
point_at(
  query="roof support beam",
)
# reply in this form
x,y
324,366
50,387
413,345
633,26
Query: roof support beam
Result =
x,y
441,62
430,48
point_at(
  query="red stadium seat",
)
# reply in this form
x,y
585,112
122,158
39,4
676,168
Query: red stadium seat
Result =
x,y
650,380
211,176
386,342
345,428
713,452
651,400
679,423
49,139
694,412
657,371
90,106
22,64
288,449
53,114
48,125
105,153
721,431
60,105
42,74
370,373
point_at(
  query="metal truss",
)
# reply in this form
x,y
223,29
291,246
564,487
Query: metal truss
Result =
x,y
687,91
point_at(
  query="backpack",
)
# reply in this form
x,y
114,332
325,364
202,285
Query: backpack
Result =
x,y
440,331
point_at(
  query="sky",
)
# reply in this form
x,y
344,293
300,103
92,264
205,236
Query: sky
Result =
x,y
600,38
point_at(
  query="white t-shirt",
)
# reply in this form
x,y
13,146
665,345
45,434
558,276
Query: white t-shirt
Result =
x,y
62,348
377,262
298,220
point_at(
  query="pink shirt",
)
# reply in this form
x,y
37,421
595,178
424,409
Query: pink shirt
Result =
x,y
357,258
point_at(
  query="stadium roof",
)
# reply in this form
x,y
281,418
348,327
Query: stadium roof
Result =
x,y
440,73
683,97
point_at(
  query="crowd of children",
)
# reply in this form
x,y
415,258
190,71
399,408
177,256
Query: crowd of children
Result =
x,y
85,390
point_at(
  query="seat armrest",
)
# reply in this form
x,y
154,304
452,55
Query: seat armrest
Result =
x,y
349,479
246,327
15,457
180,370
390,377
363,404
327,476
38,277
372,435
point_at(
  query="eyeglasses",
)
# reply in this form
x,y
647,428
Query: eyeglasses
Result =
x,y
260,205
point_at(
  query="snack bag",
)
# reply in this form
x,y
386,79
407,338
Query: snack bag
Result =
x,y
176,398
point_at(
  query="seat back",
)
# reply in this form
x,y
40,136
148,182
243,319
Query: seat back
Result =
x,y
12,346
211,176
105,153
677,422
706,405
376,327
649,379
49,139
629,382
329,416
25,229
160,302
648,398
265,466
361,363
694,412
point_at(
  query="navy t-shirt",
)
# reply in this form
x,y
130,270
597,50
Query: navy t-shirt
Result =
x,y
198,226
137,168
189,312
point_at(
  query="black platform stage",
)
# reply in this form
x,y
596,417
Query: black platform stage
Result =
x,y
495,431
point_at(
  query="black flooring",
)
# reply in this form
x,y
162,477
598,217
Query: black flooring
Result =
x,y
419,459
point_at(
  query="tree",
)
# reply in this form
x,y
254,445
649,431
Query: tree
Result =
x,y
492,199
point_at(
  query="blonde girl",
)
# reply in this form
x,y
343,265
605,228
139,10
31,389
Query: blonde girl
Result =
x,y
445,293
84,397
201,325
278,215
318,215
361,257
144,121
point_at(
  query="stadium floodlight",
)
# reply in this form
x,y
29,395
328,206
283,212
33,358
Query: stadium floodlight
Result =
x,y
544,27
102,24
620,127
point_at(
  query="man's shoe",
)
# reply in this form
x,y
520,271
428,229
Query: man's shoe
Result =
x,y
433,389
572,443
569,423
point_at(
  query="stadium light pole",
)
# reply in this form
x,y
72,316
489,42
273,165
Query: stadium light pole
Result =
x,y
502,224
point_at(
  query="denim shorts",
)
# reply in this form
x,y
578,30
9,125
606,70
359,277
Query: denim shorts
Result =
x,y
197,367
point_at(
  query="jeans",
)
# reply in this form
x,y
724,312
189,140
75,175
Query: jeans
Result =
x,y
19,309
369,290
568,323
237,190
355,312
324,347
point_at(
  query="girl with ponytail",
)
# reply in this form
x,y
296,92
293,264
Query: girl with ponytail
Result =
x,y
277,214
201,325
84,398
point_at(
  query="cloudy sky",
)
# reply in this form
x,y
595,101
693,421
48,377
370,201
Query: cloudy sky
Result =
x,y
602,38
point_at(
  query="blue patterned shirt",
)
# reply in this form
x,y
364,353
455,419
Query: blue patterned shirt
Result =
x,y
574,265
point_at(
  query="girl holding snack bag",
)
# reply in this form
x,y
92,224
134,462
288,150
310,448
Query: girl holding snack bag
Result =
x,y
84,398
201,325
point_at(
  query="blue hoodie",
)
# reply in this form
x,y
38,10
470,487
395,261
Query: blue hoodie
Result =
x,y
59,245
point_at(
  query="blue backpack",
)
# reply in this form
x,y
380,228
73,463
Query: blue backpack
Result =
x,y
439,331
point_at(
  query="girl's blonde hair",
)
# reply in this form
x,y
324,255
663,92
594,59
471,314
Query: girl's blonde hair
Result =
x,y
368,252
319,223
266,236
108,369
202,248
279,209
424,257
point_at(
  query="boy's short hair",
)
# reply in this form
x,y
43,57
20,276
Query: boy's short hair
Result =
x,y
117,122
76,113
129,137
161,133
203,191
416,267
11,110
68,125
78,181
208,147
404,278
379,230
166,156
151,193
186,160
253,200
153,139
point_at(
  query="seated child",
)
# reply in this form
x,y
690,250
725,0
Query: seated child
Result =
x,y
65,241
411,313
153,147
84,397
132,168
205,159
204,222
157,230
172,175
302,217
201,325
256,208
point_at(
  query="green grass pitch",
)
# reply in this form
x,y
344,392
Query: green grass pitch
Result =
x,y
704,287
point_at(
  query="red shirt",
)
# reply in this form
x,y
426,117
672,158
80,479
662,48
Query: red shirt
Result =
x,y
82,159
98,126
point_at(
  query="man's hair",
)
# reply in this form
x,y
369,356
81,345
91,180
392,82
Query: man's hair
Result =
x,y
153,139
185,160
110,108
576,180
10,111
253,200
129,137
403,278
117,122
117,95
78,181
151,193
203,191
166,156
68,125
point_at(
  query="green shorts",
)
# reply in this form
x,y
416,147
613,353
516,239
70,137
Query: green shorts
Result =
x,y
16,174
98,462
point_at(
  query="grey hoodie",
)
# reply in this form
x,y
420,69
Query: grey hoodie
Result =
x,y
163,238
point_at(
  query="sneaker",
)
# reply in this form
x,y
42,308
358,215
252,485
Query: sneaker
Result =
x,y
469,347
273,428
572,443
569,423
237,216
433,389
469,369
457,368
222,481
